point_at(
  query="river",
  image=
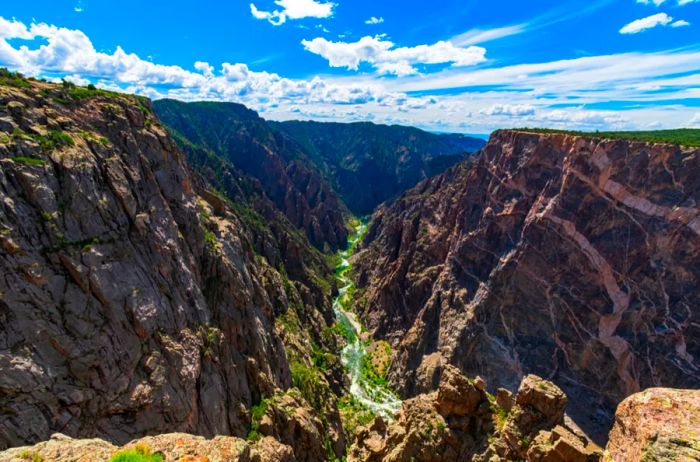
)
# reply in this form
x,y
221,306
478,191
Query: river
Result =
x,y
377,398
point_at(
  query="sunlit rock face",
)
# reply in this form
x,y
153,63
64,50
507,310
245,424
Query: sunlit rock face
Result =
x,y
132,300
572,258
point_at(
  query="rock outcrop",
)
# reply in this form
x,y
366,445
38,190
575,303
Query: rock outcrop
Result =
x,y
569,257
134,299
178,447
369,163
462,422
656,425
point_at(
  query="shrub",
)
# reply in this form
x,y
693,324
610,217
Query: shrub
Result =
x,y
140,453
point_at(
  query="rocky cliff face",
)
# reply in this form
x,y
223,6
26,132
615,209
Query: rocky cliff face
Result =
x,y
134,299
572,258
369,163
288,178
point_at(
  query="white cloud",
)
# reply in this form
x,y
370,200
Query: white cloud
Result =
x,y
640,25
477,36
294,9
680,23
509,110
686,2
694,122
387,59
551,94
375,20
649,2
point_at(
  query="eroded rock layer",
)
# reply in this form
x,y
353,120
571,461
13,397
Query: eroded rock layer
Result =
x,y
572,258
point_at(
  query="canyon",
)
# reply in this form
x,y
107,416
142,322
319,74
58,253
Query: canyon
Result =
x,y
190,281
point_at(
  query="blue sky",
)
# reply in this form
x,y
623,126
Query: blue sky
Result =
x,y
467,66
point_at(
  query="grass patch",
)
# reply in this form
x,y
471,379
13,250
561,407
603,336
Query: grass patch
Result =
x,y
140,453
682,136
28,160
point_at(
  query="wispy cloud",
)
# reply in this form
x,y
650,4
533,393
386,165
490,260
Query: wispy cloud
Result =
x,y
652,2
478,36
294,9
375,20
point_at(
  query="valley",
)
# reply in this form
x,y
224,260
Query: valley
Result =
x,y
189,281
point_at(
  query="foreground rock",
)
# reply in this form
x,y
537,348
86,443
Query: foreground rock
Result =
x,y
462,422
569,257
657,425
174,447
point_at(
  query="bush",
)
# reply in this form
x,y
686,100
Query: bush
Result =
x,y
141,453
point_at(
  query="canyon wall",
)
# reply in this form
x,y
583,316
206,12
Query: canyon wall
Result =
x,y
570,257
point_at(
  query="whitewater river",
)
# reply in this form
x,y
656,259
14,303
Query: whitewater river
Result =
x,y
380,400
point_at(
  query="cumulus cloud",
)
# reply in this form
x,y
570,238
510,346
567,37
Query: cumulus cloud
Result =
x,y
509,110
375,20
294,9
680,23
69,52
386,58
640,25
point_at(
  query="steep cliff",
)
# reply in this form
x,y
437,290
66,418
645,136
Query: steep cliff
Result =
x,y
288,178
135,299
570,257
369,163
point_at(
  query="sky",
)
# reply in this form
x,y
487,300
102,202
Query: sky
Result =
x,y
468,66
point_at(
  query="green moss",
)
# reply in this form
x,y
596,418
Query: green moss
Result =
x,y
31,456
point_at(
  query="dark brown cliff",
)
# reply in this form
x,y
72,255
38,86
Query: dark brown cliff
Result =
x,y
572,258
132,298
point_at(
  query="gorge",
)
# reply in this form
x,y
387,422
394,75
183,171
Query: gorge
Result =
x,y
186,280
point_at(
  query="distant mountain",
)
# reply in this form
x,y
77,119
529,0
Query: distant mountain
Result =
x,y
238,136
369,163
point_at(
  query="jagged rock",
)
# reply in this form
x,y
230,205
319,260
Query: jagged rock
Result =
x,y
561,445
291,421
177,447
656,425
461,422
564,256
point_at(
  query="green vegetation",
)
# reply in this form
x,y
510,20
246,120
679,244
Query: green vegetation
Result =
x,y
31,456
375,364
56,139
28,160
13,79
140,453
256,414
354,414
89,136
682,136
308,380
